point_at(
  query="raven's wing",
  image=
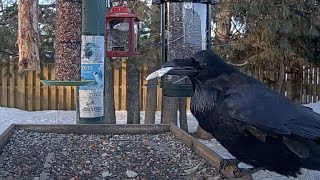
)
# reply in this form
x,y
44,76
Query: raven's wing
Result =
x,y
263,108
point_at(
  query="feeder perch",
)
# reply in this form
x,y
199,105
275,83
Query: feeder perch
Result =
x,y
68,83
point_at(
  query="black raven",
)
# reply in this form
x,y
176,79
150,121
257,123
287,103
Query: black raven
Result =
x,y
254,123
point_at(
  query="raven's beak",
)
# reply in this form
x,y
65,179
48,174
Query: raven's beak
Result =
x,y
184,67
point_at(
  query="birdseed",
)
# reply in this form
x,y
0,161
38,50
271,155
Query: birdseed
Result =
x,y
185,32
117,40
32,155
68,40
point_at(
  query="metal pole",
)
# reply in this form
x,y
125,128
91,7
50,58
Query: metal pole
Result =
x,y
90,101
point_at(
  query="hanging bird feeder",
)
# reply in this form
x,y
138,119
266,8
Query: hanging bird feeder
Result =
x,y
122,32
185,30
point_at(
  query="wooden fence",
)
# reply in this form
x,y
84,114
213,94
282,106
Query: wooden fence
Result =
x,y
24,91
307,81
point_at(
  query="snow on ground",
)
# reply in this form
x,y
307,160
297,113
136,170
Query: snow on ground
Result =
x,y
9,116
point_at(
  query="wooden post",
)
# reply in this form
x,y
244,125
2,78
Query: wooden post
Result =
x,y
28,37
116,74
12,94
30,99
123,103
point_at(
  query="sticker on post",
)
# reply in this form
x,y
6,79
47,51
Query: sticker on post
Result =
x,y
92,49
91,98
91,103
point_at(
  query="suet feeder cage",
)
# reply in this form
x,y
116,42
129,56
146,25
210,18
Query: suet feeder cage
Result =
x,y
185,30
122,32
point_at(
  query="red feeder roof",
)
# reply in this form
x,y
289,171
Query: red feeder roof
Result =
x,y
121,12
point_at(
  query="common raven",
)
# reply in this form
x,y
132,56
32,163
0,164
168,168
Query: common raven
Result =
x,y
254,123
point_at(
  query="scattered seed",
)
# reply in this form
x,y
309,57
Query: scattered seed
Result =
x,y
30,155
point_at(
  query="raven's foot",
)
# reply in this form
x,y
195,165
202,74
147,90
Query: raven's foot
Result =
x,y
240,172
228,166
228,162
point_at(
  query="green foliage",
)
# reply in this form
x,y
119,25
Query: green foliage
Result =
x,y
8,33
268,30
149,32
47,19
9,28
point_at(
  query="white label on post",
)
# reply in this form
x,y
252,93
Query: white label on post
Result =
x,y
91,103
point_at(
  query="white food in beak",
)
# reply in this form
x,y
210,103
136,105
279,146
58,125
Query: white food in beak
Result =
x,y
159,73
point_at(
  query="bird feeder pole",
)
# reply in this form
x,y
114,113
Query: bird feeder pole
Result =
x,y
90,101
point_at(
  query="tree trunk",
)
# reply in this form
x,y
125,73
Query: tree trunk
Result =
x,y
169,110
183,114
296,84
110,114
28,35
151,105
152,95
223,23
280,81
68,40
133,91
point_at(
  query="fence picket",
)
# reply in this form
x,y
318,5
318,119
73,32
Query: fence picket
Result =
x,y
4,89
28,93
30,88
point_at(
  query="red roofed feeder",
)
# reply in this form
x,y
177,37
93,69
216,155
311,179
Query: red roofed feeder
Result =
x,y
122,32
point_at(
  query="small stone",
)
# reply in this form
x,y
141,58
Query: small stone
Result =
x,y
214,177
104,154
131,174
106,174
192,170
157,173
74,178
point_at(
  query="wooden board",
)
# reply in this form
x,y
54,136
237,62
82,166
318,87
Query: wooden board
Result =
x,y
30,99
194,144
95,129
21,91
123,104
45,90
6,135
37,91
4,89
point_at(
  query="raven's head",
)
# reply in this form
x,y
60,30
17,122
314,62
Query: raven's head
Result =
x,y
202,63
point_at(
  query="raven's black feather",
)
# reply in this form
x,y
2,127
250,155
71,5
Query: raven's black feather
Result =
x,y
256,124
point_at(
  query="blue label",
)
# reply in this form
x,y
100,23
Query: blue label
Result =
x,y
92,72
91,98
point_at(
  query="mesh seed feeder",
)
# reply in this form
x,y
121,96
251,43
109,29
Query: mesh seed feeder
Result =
x,y
185,30
122,32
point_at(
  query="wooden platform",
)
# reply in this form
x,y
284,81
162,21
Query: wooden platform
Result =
x,y
203,151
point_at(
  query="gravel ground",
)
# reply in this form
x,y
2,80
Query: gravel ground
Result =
x,y
30,155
